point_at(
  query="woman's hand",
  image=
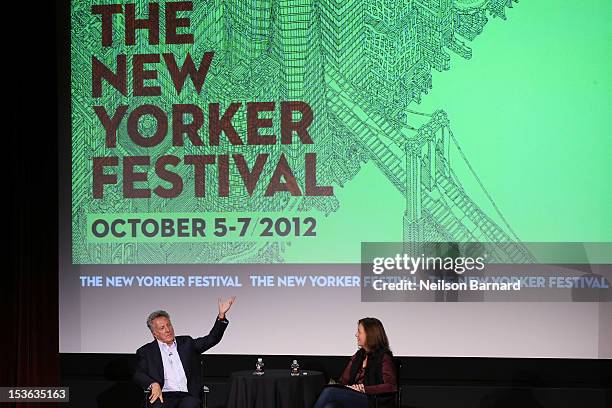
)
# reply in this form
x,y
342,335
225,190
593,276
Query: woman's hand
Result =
x,y
357,387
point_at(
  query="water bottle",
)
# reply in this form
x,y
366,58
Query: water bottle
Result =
x,y
259,367
295,368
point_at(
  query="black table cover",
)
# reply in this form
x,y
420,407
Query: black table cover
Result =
x,y
276,388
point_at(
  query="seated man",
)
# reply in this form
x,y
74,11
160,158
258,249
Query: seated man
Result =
x,y
169,366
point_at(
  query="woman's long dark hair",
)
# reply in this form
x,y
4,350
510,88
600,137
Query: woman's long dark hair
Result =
x,y
376,338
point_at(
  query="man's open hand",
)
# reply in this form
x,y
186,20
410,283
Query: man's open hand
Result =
x,y
156,393
225,306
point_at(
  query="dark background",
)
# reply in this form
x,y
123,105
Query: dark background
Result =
x,y
37,76
102,380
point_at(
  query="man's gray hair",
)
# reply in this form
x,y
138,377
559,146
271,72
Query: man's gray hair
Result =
x,y
155,315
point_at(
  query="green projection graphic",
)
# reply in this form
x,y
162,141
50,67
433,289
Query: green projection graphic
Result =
x,y
433,120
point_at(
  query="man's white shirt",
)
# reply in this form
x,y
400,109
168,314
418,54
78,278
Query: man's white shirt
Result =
x,y
174,374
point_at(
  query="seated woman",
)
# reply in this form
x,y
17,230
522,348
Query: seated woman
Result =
x,y
369,375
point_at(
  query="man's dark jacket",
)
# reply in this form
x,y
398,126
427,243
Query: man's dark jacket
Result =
x,y
150,369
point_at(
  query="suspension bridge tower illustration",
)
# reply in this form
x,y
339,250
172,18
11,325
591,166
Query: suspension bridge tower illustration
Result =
x,y
377,57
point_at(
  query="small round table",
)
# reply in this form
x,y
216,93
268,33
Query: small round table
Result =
x,y
275,388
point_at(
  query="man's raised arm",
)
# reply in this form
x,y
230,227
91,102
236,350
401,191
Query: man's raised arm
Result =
x,y
216,333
